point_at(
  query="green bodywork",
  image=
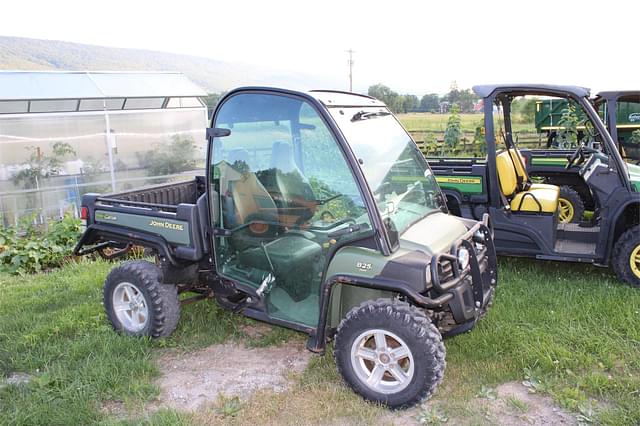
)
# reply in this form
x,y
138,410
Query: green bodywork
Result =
x,y
634,176
174,231
433,234
549,161
463,184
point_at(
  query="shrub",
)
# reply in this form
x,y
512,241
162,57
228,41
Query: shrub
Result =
x,y
25,249
453,133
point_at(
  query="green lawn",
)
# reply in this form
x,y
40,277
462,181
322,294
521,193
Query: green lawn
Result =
x,y
572,329
437,123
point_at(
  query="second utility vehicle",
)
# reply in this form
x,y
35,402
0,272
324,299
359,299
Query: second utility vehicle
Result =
x,y
524,214
317,213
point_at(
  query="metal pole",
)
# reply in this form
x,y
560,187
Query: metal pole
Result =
x,y
109,147
350,52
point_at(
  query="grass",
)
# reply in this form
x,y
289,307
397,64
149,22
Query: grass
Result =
x,y
570,331
437,123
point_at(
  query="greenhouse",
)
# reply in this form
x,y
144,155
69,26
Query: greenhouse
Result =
x,y
63,134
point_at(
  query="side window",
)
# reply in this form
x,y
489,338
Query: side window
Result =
x,y
328,173
550,123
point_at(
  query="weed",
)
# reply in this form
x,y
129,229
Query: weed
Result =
x,y
431,416
228,406
487,392
518,404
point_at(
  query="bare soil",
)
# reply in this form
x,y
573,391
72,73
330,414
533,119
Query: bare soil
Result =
x,y
192,379
538,410
513,405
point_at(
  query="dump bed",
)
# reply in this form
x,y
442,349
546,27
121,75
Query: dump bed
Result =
x,y
169,218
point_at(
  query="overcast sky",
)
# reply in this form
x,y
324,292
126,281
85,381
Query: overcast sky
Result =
x,y
413,47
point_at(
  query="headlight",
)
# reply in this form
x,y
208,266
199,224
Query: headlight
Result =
x,y
463,257
428,274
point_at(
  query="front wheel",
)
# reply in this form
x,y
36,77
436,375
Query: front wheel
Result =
x,y
570,206
389,352
137,303
626,256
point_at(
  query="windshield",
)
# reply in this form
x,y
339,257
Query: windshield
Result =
x,y
398,175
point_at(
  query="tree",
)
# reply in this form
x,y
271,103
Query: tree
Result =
x,y
42,166
410,103
211,101
430,102
466,100
524,110
453,133
386,95
567,137
174,157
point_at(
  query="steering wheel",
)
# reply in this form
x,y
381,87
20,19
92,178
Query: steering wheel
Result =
x,y
579,155
574,157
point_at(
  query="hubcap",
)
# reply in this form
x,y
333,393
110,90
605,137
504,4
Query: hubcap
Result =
x,y
634,261
565,210
382,361
130,307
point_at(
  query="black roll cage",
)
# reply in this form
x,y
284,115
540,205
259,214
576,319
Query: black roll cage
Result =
x,y
507,93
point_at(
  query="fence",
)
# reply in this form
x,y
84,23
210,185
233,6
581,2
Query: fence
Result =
x,y
431,143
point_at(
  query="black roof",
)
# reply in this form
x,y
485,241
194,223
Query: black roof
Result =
x,y
484,90
612,94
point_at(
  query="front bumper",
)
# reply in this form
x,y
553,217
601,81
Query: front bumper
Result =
x,y
473,286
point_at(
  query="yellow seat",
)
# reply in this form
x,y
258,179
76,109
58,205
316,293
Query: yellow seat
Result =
x,y
539,198
518,164
536,200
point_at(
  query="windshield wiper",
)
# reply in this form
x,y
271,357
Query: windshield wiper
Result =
x,y
364,115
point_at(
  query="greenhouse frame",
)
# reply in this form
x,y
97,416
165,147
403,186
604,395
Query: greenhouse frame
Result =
x,y
64,134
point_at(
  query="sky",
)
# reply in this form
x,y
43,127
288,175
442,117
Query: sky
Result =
x,y
411,46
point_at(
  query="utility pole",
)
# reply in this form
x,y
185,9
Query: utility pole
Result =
x,y
350,52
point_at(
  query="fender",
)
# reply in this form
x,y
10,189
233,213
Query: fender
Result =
x,y
97,232
634,199
317,341
457,196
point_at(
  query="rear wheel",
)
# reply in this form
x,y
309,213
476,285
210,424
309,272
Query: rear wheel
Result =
x,y
570,206
390,353
137,303
626,256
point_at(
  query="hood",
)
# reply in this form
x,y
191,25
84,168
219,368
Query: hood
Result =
x,y
433,234
634,176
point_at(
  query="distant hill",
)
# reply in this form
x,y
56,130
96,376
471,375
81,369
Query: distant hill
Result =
x,y
212,75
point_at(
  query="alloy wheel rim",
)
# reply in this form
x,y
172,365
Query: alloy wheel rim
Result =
x,y
382,361
130,307
634,261
565,210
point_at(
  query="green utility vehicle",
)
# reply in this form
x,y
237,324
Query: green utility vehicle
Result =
x,y
317,213
524,213
620,112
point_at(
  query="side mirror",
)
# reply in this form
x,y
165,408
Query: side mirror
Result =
x,y
216,132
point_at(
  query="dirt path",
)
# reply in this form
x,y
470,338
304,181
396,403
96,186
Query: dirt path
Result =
x,y
190,380
510,404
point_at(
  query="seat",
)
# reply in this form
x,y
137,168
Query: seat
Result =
x,y
246,201
249,196
521,173
534,200
289,187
